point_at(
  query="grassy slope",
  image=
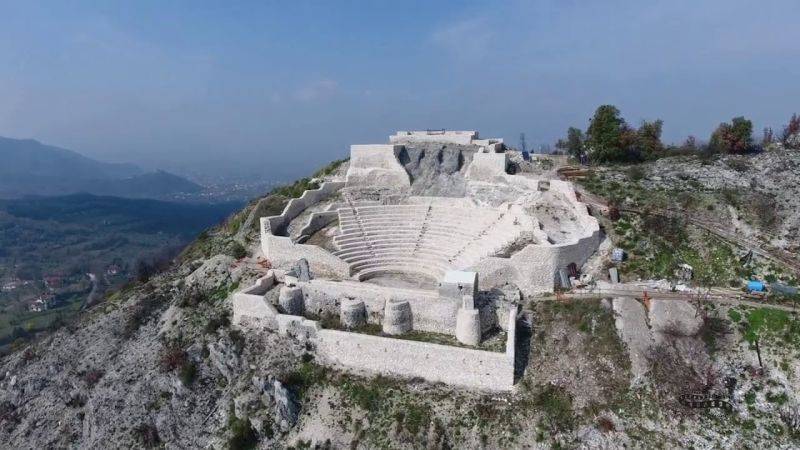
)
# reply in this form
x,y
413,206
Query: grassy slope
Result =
x,y
657,245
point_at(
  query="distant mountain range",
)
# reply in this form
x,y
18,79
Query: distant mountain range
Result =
x,y
28,167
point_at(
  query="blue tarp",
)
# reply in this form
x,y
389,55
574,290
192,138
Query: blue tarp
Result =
x,y
755,286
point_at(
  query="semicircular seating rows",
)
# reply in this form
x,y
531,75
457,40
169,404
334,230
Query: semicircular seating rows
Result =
x,y
420,238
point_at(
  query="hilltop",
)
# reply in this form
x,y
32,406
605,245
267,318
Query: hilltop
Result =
x,y
159,364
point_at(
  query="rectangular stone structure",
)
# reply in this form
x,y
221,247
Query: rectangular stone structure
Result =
x,y
458,283
477,369
376,166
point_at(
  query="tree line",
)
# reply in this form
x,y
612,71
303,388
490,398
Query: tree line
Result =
x,y
609,139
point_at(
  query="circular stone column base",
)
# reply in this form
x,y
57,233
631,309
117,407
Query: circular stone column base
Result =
x,y
468,326
291,300
352,313
397,317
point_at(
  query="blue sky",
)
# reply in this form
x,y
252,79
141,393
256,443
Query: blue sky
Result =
x,y
282,87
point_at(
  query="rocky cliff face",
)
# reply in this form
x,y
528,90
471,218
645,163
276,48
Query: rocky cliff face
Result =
x,y
437,169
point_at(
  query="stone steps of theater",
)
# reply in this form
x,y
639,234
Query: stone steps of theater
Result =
x,y
442,239
366,203
418,206
445,213
398,228
370,255
408,265
456,218
463,222
451,247
391,258
451,251
454,215
394,269
410,243
377,235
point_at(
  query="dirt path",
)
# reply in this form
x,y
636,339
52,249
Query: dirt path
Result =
x,y
717,295
631,322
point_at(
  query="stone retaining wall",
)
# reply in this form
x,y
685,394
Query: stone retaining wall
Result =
x,y
276,225
376,166
533,269
431,313
380,355
453,137
282,252
318,221
433,362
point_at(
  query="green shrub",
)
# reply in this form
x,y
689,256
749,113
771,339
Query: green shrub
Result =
x,y
192,296
556,404
172,357
636,173
415,417
140,313
778,399
369,396
188,373
238,339
147,435
237,250
732,197
221,321
306,375
330,168
243,436
768,321
737,164
296,189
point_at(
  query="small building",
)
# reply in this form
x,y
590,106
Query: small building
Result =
x,y
42,303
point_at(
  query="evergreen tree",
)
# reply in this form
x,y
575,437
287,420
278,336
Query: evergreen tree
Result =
x,y
604,135
573,144
648,139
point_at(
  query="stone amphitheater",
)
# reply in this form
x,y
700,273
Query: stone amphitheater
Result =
x,y
379,270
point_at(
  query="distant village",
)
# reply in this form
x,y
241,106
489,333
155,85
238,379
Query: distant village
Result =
x,y
49,292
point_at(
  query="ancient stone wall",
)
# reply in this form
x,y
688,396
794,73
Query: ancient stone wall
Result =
x,y
430,312
318,221
282,252
276,225
380,355
250,302
453,137
533,269
433,362
487,167
376,166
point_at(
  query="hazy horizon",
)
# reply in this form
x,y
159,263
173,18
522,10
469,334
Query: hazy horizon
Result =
x,y
280,89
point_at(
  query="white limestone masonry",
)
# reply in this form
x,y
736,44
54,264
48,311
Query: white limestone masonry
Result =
x,y
376,166
477,369
413,263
